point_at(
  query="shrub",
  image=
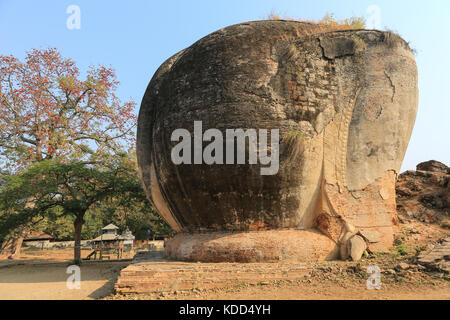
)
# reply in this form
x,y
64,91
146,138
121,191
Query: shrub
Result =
x,y
402,250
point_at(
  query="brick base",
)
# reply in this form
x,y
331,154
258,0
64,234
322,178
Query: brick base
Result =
x,y
252,246
159,275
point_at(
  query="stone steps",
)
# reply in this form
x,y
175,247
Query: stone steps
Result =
x,y
159,275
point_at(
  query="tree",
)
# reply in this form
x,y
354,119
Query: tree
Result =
x,y
47,112
73,187
76,128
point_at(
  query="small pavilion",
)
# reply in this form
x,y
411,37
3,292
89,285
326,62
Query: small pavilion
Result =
x,y
108,244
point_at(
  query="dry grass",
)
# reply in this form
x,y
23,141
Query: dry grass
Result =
x,y
328,22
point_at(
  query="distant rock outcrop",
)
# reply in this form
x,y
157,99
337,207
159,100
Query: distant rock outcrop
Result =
x,y
344,102
424,194
433,166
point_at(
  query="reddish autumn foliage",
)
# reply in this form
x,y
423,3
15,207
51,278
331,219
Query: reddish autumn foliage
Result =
x,y
48,112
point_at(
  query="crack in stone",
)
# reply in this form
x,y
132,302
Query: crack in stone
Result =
x,y
392,85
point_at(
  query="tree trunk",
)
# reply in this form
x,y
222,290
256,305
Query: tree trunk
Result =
x,y
7,246
78,224
18,246
13,244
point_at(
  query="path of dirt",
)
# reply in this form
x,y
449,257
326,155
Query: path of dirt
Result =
x,y
48,281
41,274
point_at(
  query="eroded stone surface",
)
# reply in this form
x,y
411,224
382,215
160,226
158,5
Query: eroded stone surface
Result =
x,y
337,47
438,258
344,102
425,194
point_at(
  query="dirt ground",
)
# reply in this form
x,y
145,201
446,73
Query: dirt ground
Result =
x,y
330,290
401,277
332,280
41,274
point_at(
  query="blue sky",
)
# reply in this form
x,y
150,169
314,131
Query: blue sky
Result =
x,y
135,37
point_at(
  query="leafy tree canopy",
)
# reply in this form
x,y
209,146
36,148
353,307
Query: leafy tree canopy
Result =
x,y
48,111
52,192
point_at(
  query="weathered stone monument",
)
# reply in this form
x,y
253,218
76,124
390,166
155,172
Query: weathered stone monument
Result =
x,y
344,102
